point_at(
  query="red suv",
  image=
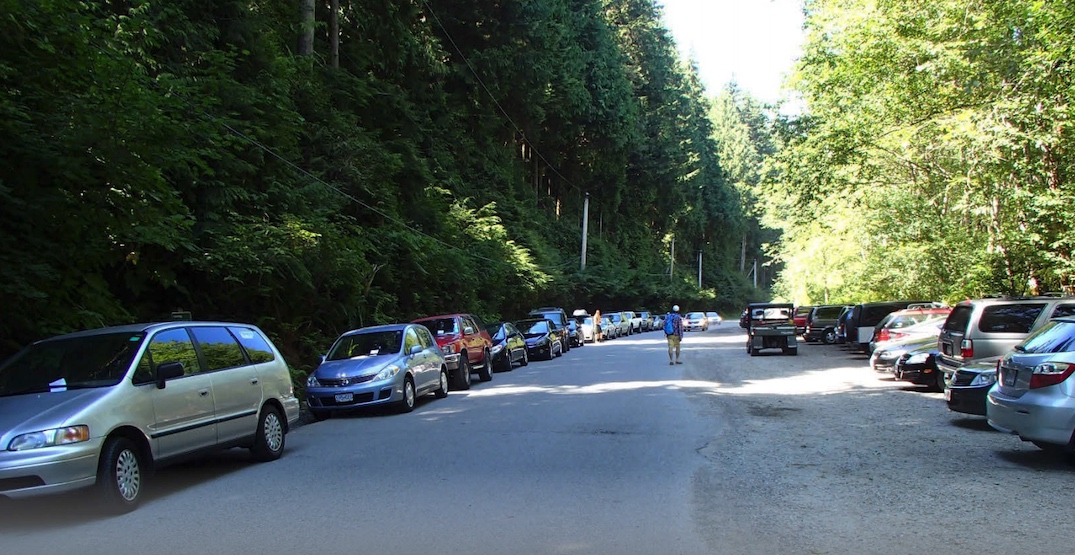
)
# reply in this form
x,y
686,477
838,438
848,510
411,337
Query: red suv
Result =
x,y
466,346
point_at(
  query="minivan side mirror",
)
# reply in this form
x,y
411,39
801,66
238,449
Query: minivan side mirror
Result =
x,y
167,371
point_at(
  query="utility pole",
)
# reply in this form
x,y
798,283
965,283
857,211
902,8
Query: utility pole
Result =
x,y
585,224
672,262
699,270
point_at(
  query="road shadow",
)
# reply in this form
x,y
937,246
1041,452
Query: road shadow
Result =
x,y
1041,460
974,424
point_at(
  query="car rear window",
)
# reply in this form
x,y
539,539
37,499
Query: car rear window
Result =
x,y
1009,318
959,318
872,315
1054,337
827,312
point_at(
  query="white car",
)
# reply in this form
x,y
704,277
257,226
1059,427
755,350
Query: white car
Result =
x,y
695,321
714,318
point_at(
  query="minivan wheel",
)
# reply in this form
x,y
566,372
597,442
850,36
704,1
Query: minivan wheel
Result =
x,y
442,391
829,338
119,476
406,404
269,441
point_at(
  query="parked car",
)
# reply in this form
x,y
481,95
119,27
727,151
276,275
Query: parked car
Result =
x,y
647,320
771,327
657,322
968,387
883,360
559,320
1034,396
392,364
467,346
930,327
609,329
101,408
919,366
821,324
801,313
864,319
586,328
695,321
989,328
634,321
623,325
744,319
509,346
713,318
574,334
542,339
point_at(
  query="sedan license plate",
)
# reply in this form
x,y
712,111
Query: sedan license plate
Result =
x,y
345,397
1009,378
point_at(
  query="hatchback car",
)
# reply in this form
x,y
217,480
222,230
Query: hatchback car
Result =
x,y
695,321
378,365
101,408
542,339
1034,396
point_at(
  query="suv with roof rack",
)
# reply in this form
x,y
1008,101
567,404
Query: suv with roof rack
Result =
x,y
988,328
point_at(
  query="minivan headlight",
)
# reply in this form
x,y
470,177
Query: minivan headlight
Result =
x,y
50,438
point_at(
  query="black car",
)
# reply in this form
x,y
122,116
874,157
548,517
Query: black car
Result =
x,y
821,324
969,386
509,346
559,321
574,334
919,366
542,338
744,322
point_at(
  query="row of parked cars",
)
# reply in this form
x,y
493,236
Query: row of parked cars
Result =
x,y
101,409
1009,359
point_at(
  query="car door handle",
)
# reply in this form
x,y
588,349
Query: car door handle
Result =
x,y
253,381
203,392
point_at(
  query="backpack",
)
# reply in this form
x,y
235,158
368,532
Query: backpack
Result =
x,y
670,324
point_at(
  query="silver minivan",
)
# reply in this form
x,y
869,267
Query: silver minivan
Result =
x,y
102,408
988,328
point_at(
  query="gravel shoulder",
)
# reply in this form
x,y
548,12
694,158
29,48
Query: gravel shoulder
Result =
x,y
816,453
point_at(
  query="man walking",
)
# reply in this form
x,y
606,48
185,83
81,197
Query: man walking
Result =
x,y
673,331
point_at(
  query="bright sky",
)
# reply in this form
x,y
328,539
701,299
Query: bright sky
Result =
x,y
753,42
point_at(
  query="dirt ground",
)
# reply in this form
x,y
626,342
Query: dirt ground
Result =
x,y
817,454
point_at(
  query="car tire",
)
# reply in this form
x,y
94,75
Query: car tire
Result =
x,y
507,364
269,439
462,378
559,351
486,372
120,476
829,338
526,358
406,404
442,391
938,382
565,345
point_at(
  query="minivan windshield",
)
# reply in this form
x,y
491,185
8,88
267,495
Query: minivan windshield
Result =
x,y
73,363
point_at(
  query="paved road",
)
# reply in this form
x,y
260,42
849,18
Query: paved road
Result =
x,y
609,450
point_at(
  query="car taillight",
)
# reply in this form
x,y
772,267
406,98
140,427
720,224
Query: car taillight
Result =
x,y
1050,373
882,335
966,349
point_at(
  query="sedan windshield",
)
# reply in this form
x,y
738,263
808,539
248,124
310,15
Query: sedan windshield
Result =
x,y
374,343
536,327
75,363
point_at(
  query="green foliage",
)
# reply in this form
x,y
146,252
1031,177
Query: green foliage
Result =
x,y
177,155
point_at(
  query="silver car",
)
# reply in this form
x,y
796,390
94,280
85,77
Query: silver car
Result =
x,y
100,408
379,365
1034,396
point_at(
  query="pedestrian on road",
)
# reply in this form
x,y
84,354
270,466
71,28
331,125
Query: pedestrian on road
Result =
x,y
673,331
597,326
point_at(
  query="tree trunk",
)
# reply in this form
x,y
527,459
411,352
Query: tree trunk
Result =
x,y
334,34
306,39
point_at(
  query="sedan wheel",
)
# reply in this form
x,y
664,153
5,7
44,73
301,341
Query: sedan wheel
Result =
x,y
442,391
486,372
406,404
526,357
829,338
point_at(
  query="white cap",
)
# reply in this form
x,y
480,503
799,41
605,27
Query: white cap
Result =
x,y
675,308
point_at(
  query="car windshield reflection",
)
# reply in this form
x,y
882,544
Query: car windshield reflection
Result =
x,y
74,363
377,343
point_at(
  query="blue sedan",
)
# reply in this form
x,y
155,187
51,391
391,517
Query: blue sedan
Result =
x,y
379,365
